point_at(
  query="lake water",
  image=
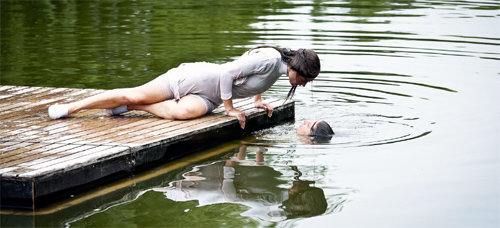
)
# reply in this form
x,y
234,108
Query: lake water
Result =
x,y
410,88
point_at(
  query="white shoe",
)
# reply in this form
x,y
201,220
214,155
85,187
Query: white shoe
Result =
x,y
58,111
117,111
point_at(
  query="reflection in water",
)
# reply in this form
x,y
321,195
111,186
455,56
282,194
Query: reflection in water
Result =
x,y
240,188
409,88
252,183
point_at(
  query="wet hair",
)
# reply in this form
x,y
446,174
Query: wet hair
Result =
x,y
321,131
304,61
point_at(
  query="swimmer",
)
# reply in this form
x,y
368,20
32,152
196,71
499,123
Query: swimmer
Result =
x,y
316,129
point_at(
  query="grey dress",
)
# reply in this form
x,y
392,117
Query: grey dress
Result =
x,y
251,74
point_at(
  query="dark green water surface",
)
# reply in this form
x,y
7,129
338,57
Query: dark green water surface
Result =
x,y
410,88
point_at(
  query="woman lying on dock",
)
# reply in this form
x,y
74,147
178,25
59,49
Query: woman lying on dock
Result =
x,y
192,90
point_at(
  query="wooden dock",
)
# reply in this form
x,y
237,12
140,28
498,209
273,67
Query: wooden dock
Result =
x,y
43,160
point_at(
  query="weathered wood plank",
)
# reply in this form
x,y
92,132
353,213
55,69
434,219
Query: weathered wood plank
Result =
x,y
24,108
39,154
40,157
116,135
82,157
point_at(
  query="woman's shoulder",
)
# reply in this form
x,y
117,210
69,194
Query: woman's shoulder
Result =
x,y
269,53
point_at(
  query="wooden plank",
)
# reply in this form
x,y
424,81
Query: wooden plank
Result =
x,y
176,129
39,105
8,152
41,153
83,156
118,134
40,157
171,133
45,97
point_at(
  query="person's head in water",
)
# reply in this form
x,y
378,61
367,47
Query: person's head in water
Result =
x,y
303,66
315,129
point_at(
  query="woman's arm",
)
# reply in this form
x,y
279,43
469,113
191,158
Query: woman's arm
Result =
x,y
260,104
231,111
244,66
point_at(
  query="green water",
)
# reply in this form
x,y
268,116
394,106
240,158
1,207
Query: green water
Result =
x,y
409,87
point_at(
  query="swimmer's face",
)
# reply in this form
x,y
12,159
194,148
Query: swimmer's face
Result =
x,y
306,127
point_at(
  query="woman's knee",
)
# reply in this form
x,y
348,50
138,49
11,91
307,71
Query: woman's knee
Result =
x,y
145,94
132,96
134,99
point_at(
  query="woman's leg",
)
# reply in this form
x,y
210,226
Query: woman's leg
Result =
x,y
188,107
151,92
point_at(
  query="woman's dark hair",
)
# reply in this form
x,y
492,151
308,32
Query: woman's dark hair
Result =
x,y
321,130
304,61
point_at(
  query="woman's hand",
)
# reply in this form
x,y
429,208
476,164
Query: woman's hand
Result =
x,y
242,117
260,104
231,111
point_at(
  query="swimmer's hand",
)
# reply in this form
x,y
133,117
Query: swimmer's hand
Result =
x,y
242,117
269,108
